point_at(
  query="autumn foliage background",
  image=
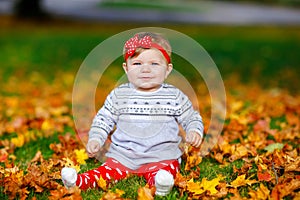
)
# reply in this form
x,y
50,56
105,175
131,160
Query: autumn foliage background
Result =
x,y
257,153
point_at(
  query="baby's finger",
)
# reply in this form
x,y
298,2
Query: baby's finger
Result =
x,y
91,155
197,143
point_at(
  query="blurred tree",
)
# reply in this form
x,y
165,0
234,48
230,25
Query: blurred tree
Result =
x,y
29,9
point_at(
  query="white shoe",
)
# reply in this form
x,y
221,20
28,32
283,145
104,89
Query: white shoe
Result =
x,y
164,182
69,177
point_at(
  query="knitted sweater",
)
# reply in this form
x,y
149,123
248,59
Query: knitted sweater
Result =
x,y
146,124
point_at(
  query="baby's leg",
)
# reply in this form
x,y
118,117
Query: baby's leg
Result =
x,y
107,171
111,170
150,171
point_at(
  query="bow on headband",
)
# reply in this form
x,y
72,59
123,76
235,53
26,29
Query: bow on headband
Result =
x,y
146,42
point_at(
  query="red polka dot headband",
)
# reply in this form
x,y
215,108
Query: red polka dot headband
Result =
x,y
146,42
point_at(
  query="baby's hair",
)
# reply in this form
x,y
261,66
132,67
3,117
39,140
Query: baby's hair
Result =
x,y
156,38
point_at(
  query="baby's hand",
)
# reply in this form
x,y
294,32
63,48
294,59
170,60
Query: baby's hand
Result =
x,y
194,139
92,148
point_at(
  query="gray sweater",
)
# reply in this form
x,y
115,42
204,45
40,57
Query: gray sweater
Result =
x,y
146,124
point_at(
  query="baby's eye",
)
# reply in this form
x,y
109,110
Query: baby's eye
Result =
x,y
136,63
155,63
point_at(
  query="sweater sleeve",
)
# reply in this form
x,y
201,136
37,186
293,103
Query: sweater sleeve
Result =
x,y
104,121
187,117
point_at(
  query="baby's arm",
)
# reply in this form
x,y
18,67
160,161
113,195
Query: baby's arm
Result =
x,y
190,120
102,125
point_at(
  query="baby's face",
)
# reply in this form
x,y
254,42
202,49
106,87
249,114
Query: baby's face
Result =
x,y
148,70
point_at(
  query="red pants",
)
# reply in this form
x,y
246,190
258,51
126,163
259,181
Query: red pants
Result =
x,y
112,170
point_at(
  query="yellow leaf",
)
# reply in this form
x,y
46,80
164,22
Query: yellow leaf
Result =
x,y
205,185
224,146
192,161
241,151
18,141
119,192
70,163
102,184
195,188
29,136
110,195
145,193
210,185
241,181
261,193
81,156
47,125
19,174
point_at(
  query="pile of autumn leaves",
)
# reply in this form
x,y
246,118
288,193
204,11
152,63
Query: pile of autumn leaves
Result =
x,y
261,131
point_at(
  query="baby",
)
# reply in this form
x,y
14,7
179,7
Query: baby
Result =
x,y
146,113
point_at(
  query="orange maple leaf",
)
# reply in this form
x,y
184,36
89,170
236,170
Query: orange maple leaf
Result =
x,y
264,176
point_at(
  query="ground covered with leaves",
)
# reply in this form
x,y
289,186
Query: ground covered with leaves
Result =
x,y
256,156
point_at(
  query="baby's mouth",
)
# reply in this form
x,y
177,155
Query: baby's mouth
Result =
x,y
145,78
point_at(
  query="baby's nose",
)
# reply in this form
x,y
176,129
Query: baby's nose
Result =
x,y
145,68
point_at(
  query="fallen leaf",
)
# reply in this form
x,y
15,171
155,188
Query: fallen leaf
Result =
x,y
284,189
38,157
203,186
264,176
110,195
18,141
293,165
81,156
272,147
241,181
145,193
195,187
70,163
261,193
102,183
192,161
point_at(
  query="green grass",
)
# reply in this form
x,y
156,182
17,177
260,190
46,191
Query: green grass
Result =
x,y
152,5
262,52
